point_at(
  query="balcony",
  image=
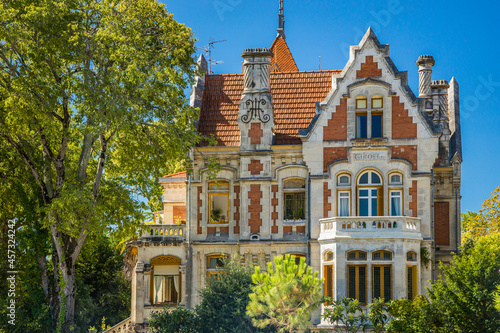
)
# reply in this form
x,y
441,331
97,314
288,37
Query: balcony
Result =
x,y
164,230
370,227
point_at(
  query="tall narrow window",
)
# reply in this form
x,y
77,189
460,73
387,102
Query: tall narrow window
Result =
x,y
295,199
328,276
382,282
396,203
370,194
361,117
376,116
411,280
218,198
344,203
356,282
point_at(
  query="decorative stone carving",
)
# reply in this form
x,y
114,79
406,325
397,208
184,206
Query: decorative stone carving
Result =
x,y
165,260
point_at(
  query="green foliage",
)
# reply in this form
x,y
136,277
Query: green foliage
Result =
x,y
417,316
92,111
465,295
497,298
285,295
377,315
104,291
175,320
425,256
224,299
485,222
345,314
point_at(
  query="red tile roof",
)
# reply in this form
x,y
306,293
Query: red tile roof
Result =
x,y
282,57
177,174
294,99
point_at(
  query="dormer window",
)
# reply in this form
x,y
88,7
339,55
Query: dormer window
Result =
x,y
369,117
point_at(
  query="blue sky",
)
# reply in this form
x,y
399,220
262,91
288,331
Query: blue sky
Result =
x,y
460,35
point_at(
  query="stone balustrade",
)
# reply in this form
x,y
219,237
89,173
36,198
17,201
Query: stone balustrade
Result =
x,y
124,326
371,226
164,230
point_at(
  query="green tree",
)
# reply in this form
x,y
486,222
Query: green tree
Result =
x,y
285,295
485,222
414,316
224,300
176,320
345,314
465,296
89,91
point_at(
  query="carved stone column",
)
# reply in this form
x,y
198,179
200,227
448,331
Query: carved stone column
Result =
x,y
137,311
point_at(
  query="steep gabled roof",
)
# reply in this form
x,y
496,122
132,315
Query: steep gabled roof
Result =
x,y
294,98
282,60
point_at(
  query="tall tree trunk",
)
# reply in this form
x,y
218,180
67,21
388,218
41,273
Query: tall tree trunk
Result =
x,y
68,274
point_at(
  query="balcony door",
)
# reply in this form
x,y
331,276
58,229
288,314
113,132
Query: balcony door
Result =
x,y
370,194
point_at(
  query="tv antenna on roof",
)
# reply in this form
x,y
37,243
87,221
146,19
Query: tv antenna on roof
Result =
x,y
208,49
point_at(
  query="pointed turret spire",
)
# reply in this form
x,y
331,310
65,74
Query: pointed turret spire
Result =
x,y
281,16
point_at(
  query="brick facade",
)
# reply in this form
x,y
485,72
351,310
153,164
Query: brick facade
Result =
x,y
406,152
274,205
331,154
255,208
442,223
179,214
326,195
414,198
255,167
237,203
337,125
255,133
200,214
403,126
369,68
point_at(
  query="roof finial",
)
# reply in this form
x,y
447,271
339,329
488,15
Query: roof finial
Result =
x,y
281,26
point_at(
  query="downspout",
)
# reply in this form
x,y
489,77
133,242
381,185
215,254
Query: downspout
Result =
x,y
308,220
458,222
432,228
189,267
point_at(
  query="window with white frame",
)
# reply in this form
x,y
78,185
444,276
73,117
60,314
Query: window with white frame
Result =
x,y
370,199
396,202
344,203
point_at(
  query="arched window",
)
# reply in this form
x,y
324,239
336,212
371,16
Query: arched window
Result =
x,y
382,255
328,273
356,255
165,280
395,194
218,201
411,256
370,198
294,191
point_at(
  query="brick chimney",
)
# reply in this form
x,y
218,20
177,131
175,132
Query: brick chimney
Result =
x,y
255,117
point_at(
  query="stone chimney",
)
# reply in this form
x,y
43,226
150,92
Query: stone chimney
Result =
x,y
439,89
255,117
425,63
